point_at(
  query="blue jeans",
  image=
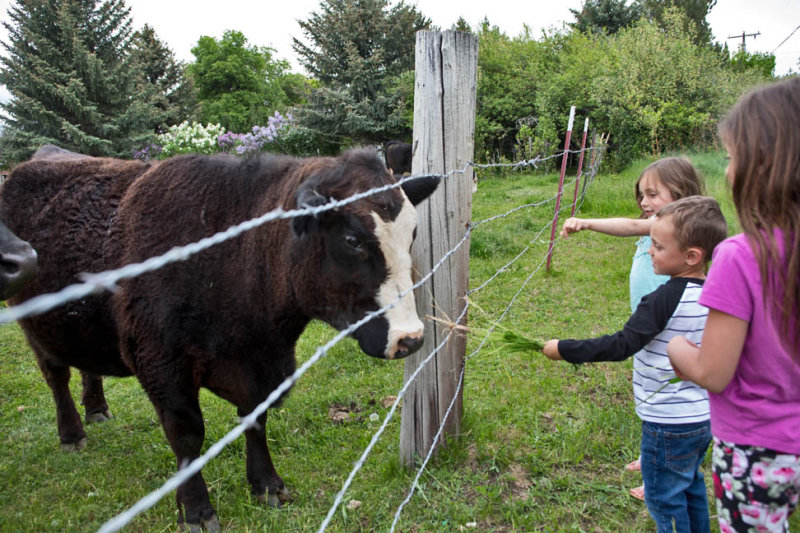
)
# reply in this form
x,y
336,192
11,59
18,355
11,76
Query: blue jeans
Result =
x,y
674,486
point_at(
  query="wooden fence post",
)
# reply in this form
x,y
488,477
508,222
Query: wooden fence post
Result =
x,y
444,127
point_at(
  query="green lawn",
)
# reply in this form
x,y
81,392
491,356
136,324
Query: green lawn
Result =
x,y
542,445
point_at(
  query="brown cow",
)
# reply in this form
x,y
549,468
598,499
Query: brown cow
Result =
x,y
228,318
63,203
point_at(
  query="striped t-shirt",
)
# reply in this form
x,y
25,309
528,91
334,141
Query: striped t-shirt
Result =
x,y
670,310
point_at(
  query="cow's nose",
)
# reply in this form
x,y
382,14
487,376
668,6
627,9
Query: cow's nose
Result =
x,y
19,266
407,345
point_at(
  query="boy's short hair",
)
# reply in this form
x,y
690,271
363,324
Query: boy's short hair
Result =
x,y
698,221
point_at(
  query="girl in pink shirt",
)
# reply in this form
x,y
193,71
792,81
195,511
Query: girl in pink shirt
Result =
x,y
749,356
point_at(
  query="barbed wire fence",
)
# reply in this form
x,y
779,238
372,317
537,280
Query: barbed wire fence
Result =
x,y
108,281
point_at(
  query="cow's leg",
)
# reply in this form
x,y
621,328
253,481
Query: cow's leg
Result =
x,y
176,402
265,483
93,398
70,428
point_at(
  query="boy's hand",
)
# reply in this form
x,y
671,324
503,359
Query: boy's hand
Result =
x,y
550,350
572,225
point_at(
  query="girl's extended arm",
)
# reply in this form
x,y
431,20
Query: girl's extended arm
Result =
x,y
713,364
619,227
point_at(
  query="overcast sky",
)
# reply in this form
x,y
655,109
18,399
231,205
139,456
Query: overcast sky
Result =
x,y
180,23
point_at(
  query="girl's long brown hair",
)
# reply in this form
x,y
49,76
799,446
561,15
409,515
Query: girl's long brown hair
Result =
x,y
676,174
762,135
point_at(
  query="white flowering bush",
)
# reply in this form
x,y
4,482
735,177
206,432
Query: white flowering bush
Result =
x,y
280,135
190,138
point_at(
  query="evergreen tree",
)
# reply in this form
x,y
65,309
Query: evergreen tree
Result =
x,y
604,16
358,50
72,82
173,90
696,12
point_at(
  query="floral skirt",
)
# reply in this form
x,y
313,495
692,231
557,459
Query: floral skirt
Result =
x,y
756,489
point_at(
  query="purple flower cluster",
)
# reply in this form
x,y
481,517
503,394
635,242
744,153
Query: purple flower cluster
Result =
x,y
254,141
229,141
233,143
148,152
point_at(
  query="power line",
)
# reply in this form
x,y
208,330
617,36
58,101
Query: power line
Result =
x,y
782,42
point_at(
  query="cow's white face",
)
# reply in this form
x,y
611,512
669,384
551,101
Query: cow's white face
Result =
x,y
395,238
356,259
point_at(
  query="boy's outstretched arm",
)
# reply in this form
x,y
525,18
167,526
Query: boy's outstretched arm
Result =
x,y
551,350
618,227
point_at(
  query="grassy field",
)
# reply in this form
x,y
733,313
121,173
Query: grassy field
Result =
x,y
542,445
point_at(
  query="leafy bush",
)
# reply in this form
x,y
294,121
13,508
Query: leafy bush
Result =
x,y
281,135
649,85
190,138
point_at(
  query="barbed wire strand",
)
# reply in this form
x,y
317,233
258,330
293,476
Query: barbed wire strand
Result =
x,y
195,466
458,388
107,280
359,464
436,437
387,419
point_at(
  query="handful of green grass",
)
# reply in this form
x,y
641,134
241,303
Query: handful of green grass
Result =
x,y
511,342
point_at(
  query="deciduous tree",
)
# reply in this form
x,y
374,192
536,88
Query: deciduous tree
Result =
x,y
696,12
240,85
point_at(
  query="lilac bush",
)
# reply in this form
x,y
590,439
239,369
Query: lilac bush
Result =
x,y
228,142
212,138
148,152
261,136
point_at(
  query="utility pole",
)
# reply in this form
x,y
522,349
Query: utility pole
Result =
x,y
744,36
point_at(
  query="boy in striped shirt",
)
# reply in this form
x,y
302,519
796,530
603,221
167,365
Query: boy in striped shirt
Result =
x,y
675,417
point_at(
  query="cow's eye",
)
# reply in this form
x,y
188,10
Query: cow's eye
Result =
x,y
353,242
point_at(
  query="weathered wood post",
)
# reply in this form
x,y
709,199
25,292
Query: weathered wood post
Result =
x,y
444,126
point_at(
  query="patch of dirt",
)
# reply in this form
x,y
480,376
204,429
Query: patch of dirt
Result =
x,y
520,484
388,401
338,413
472,458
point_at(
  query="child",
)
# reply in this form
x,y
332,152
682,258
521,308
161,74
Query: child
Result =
x,y
675,426
662,182
749,359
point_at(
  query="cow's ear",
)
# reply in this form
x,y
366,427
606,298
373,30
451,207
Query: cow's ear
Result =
x,y
420,188
307,197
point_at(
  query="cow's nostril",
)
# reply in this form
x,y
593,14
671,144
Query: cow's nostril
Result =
x,y
408,345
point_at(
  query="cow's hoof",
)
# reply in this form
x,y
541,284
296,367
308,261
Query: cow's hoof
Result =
x,y
74,446
98,416
276,499
211,526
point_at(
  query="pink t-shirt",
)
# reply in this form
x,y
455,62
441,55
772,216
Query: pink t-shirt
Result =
x,y
761,404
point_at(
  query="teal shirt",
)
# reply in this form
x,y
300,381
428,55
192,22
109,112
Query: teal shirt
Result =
x,y
642,279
